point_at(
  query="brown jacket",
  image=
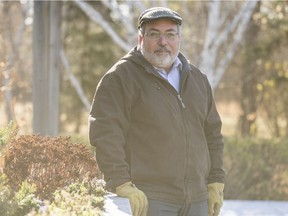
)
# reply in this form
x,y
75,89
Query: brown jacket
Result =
x,y
168,144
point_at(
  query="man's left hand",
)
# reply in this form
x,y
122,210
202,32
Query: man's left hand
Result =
x,y
215,199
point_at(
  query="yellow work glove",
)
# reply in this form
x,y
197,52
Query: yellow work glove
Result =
x,y
137,198
215,199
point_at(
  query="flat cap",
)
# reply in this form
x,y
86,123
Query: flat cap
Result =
x,y
158,13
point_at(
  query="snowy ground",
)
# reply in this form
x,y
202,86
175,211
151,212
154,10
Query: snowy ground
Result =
x,y
117,206
254,208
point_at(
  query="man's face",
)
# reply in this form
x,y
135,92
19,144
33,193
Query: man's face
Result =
x,y
160,43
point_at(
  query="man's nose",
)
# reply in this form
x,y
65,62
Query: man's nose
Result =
x,y
162,40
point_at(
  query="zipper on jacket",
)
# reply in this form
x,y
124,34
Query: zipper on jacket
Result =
x,y
181,100
178,94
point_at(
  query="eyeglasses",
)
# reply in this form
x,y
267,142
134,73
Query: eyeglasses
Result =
x,y
156,35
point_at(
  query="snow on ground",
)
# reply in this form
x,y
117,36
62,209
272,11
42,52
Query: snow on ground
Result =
x,y
254,208
118,206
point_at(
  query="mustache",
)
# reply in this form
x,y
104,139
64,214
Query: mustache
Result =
x,y
162,49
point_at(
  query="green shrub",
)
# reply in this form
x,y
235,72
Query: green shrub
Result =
x,y
6,134
85,198
14,203
256,168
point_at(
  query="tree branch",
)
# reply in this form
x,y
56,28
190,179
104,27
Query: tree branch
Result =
x,y
97,17
244,21
74,81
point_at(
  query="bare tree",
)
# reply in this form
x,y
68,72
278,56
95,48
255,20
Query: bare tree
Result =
x,y
219,30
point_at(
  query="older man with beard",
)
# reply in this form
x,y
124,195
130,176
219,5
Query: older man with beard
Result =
x,y
155,126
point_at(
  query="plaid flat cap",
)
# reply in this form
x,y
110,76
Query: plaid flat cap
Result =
x,y
158,13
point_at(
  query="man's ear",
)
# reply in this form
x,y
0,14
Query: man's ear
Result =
x,y
140,38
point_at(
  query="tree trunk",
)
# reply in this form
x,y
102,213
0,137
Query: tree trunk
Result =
x,y
7,72
54,70
218,32
40,73
46,49
249,81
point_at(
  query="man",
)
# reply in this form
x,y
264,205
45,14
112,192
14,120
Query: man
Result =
x,y
155,126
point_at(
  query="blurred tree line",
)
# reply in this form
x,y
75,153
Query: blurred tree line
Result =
x,y
256,78
262,72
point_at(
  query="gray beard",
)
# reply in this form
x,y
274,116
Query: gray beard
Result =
x,y
158,61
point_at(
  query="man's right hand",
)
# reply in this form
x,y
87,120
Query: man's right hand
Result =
x,y
137,198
